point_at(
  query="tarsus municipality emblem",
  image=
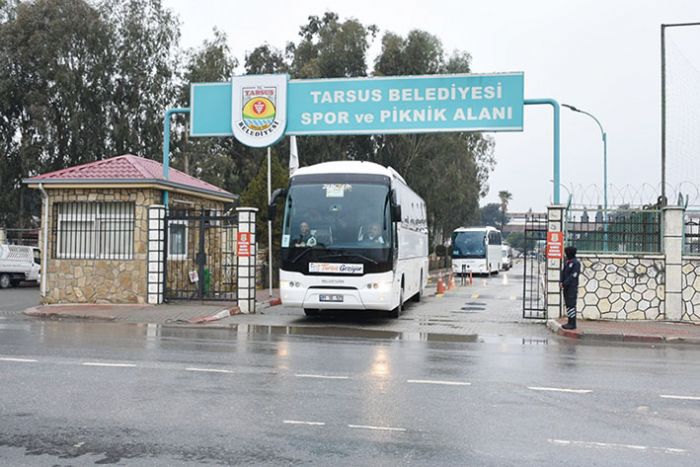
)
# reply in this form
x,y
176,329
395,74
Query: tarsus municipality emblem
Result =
x,y
259,109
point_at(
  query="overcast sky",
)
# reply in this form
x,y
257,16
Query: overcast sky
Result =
x,y
601,56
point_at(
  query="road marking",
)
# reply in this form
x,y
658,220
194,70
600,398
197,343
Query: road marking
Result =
x,y
209,370
113,365
684,398
575,391
321,376
18,360
513,297
475,296
377,428
635,447
505,279
301,422
446,383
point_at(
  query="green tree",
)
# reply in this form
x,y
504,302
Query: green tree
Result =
x,y
516,240
265,59
505,197
54,94
430,161
223,162
144,49
255,195
490,214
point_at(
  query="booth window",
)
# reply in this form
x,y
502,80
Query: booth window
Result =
x,y
93,230
177,240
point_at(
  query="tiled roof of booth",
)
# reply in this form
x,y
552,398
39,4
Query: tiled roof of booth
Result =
x,y
127,169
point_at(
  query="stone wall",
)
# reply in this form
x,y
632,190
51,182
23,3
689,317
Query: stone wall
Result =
x,y
621,287
690,284
99,280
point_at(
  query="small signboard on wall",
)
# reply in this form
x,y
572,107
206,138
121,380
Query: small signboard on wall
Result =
x,y
555,245
243,244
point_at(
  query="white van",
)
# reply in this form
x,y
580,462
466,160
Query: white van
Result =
x,y
17,264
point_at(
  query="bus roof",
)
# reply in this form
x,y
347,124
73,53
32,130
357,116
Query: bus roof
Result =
x,y
354,167
474,229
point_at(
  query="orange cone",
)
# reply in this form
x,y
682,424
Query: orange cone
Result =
x,y
452,284
440,287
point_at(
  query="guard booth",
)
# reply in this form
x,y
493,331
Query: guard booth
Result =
x,y
106,237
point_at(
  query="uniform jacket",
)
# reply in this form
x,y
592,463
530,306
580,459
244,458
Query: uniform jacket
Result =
x,y
569,274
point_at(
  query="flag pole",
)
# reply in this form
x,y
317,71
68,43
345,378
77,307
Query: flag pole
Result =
x,y
269,221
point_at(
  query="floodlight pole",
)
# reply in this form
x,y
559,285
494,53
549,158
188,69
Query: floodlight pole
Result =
x,y
663,102
556,164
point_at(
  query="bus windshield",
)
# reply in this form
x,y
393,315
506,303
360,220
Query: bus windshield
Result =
x,y
337,216
469,244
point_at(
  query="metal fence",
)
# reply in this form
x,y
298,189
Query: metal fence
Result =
x,y
621,231
26,237
691,236
200,261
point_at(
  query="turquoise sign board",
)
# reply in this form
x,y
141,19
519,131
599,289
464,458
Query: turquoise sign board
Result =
x,y
405,104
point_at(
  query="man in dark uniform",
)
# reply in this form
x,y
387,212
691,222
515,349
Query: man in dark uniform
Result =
x,y
569,284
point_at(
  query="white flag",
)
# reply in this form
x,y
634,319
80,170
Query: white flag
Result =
x,y
293,155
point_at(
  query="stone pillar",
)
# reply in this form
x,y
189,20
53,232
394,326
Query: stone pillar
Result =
x,y
555,223
246,259
156,256
673,251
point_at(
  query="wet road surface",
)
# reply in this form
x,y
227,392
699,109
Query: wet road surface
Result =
x,y
79,394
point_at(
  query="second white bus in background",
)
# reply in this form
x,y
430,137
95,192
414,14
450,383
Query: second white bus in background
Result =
x,y
476,250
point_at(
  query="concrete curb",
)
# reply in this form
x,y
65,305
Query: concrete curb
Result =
x,y
556,327
35,312
225,313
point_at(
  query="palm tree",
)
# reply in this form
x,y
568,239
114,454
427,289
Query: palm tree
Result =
x,y
504,196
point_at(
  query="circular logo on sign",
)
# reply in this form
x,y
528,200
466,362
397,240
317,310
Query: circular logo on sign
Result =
x,y
259,113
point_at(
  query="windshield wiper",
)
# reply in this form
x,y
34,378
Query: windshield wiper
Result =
x,y
306,250
351,255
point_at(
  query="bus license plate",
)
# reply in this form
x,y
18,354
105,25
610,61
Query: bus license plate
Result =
x,y
331,298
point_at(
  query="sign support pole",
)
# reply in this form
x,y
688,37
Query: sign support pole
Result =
x,y
166,145
269,221
555,108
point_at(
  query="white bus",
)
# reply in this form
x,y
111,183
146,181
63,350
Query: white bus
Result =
x,y
355,236
476,250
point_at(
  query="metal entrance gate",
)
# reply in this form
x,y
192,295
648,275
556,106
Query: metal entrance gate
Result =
x,y
200,263
535,267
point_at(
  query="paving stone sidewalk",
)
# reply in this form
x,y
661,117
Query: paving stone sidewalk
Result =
x,y
629,331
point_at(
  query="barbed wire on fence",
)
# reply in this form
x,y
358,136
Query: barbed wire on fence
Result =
x,y
686,194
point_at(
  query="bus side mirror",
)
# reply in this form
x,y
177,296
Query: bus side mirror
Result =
x,y
272,208
395,213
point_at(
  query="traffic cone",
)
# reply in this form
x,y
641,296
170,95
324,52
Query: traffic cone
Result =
x,y
452,284
440,287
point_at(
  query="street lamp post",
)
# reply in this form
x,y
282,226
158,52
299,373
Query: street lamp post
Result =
x,y
605,158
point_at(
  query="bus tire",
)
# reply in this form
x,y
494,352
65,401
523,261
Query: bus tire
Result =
x,y
398,311
5,281
419,295
311,311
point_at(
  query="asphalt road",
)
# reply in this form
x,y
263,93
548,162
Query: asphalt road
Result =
x,y
14,300
79,394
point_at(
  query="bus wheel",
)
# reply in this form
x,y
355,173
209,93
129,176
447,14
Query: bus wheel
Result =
x,y
417,297
311,311
398,311
5,281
